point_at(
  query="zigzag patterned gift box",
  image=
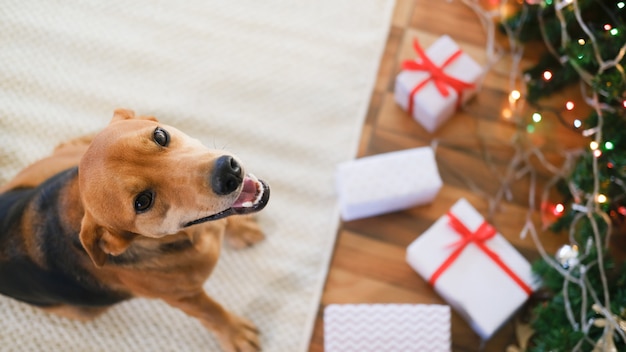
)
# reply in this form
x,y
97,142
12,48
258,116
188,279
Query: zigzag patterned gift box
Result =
x,y
386,328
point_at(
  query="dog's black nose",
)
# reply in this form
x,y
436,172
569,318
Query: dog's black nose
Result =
x,y
226,176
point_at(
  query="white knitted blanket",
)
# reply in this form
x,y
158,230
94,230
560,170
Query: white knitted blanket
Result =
x,y
283,84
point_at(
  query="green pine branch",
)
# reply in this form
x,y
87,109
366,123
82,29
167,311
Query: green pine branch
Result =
x,y
553,328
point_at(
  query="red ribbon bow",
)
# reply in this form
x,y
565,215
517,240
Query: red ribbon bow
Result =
x,y
441,80
482,234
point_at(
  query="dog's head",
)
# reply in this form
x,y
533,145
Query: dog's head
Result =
x,y
143,178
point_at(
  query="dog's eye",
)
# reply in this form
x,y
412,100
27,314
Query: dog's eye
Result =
x,y
161,137
143,201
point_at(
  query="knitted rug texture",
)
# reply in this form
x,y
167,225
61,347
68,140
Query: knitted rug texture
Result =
x,y
283,84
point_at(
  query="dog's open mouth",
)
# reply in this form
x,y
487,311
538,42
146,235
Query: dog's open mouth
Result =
x,y
253,197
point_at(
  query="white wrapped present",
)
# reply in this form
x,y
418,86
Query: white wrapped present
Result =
x,y
386,328
432,86
387,182
476,270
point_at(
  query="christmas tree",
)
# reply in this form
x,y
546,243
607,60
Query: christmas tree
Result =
x,y
584,284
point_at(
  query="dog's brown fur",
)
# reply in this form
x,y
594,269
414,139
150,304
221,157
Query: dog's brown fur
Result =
x,y
134,254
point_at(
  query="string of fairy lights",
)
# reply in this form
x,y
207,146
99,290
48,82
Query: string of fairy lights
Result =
x,y
588,206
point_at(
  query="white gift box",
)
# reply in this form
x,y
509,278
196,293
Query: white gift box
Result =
x,y
387,182
386,328
430,107
476,282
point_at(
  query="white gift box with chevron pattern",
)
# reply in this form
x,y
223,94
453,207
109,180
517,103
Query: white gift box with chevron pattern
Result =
x,y
387,182
386,328
476,270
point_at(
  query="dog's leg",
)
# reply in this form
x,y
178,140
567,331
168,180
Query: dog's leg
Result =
x,y
243,231
234,333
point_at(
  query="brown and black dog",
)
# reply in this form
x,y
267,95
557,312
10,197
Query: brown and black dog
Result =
x,y
139,210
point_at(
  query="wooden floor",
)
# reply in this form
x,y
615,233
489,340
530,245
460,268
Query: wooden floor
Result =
x,y
473,151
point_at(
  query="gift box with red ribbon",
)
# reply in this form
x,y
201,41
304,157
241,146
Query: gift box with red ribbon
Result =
x,y
440,79
473,268
387,182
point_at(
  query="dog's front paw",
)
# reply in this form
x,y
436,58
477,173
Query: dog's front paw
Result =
x,y
241,335
243,231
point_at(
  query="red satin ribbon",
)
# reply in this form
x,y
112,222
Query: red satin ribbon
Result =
x,y
484,233
441,80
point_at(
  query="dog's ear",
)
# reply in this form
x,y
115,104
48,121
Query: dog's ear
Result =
x,y
125,114
99,242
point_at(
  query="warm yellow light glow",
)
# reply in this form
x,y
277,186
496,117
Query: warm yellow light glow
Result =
x,y
593,145
581,41
601,198
506,113
547,75
569,105
537,117
514,96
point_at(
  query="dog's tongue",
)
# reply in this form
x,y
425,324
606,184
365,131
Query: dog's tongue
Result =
x,y
248,195
253,197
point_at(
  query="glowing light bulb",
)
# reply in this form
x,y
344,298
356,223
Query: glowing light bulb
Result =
x,y
537,117
530,128
620,5
506,113
577,123
601,198
614,31
547,75
597,153
608,145
558,209
514,96
593,145
581,41
624,103
569,105
607,27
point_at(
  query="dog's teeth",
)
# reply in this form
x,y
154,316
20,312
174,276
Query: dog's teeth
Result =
x,y
247,204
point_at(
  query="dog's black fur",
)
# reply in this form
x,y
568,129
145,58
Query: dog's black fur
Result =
x,y
60,280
